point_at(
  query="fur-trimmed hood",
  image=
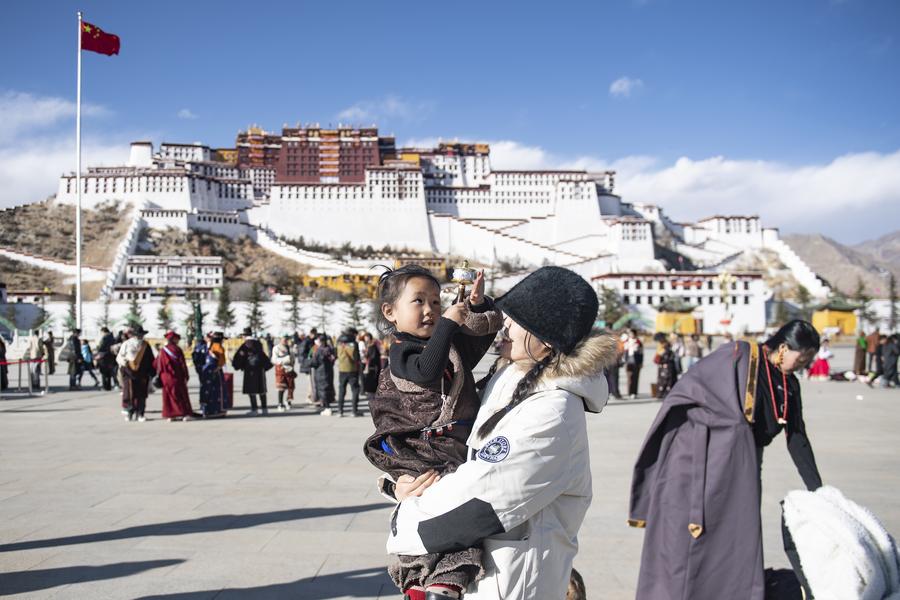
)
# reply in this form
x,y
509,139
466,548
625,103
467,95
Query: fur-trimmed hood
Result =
x,y
581,372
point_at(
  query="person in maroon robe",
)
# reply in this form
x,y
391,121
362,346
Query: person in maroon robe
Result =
x,y
173,371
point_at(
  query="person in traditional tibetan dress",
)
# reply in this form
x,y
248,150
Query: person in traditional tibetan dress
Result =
x,y
696,487
172,369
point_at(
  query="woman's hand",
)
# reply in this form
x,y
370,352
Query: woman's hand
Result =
x,y
406,486
476,296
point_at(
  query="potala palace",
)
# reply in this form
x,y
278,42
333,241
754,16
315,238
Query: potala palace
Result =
x,y
333,186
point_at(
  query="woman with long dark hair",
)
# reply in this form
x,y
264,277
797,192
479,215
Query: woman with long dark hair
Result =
x,y
526,486
696,486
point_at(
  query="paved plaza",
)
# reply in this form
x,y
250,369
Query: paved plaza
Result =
x,y
286,507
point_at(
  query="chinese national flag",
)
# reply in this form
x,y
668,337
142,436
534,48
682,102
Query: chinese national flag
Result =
x,y
96,40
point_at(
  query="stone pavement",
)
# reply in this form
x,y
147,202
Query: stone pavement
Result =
x,y
285,506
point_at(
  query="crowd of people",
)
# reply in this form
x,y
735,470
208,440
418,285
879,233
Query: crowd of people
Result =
x,y
674,355
128,363
875,362
493,477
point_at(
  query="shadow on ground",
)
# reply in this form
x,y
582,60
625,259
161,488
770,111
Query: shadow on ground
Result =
x,y
199,525
359,583
21,582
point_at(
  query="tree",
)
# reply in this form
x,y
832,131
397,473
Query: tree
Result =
x,y
781,311
104,316
354,317
9,312
224,312
164,315
862,299
293,313
134,318
611,306
892,303
803,300
255,316
42,319
322,301
71,321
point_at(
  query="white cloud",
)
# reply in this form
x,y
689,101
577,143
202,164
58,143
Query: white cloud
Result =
x,y
185,113
30,172
852,197
388,108
22,112
843,197
37,145
623,87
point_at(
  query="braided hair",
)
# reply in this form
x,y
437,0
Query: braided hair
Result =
x,y
482,383
522,391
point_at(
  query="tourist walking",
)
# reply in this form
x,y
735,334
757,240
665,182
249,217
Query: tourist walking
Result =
x,y
612,370
323,364
693,351
254,362
35,355
106,360
135,361
76,359
283,359
859,355
525,487
873,340
88,364
304,360
371,364
634,360
50,352
878,373
676,343
199,353
696,487
173,371
4,368
214,401
890,355
349,366
666,368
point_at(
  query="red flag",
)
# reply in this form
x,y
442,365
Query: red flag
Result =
x,y
96,40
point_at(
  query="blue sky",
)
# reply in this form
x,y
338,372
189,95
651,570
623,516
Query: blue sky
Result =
x,y
633,84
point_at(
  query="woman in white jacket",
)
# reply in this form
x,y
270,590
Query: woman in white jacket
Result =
x,y
527,485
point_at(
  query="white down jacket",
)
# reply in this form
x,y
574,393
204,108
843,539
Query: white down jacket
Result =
x,y
525,490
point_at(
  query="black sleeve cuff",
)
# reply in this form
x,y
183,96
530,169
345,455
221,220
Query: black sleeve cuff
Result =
x,y
486,305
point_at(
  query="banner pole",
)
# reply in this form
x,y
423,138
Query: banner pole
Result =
x,y
78,185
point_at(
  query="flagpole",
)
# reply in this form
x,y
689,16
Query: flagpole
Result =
x,y
78,186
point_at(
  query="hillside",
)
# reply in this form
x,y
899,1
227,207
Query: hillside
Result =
x,y
842,265
20,276
885,249
245,261
48,229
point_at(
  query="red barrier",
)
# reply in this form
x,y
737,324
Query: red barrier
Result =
x,y
22,362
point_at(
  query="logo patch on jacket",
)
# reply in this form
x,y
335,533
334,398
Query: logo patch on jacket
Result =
x,y
495,450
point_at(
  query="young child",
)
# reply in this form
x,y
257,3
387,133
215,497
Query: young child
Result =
x,y
426,403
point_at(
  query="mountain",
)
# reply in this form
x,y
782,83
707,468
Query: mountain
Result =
x,y
842,266
885,249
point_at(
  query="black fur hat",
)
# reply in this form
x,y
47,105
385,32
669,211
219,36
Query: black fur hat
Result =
x,y
555,304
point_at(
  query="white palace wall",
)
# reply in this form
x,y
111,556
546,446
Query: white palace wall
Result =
x,y
400,222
